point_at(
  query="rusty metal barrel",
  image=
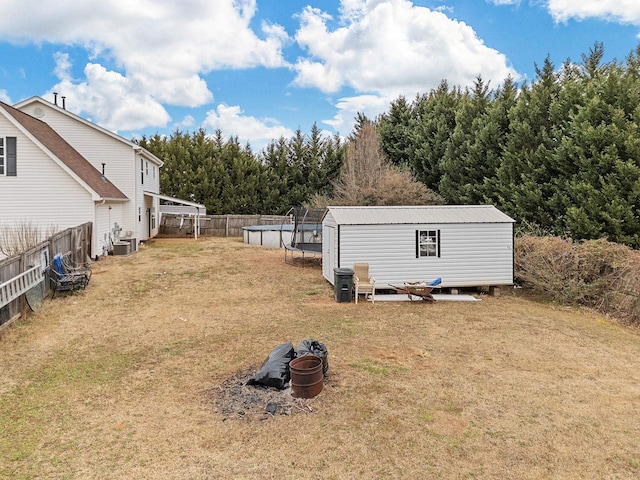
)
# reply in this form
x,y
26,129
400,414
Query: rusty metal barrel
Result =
x,y
307,378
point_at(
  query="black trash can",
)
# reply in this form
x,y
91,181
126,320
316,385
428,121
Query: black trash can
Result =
x,y
343,284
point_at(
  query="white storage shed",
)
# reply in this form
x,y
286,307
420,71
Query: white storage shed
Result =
x,y
465,245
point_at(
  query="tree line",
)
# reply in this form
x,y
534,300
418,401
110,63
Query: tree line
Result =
x,y
560,154
228,177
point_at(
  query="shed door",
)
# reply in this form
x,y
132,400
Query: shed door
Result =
x,y
329,252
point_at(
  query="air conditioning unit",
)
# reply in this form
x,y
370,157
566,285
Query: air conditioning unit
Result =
x,y
122,248
133,242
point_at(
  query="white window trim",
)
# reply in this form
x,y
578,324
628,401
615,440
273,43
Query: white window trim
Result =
x,y
427,243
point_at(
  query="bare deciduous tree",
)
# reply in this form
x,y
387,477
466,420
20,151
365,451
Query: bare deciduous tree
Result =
x,y
368,178
21,236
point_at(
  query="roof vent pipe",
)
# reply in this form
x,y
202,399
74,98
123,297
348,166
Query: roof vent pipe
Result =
x,y
104,179
55,98
63,102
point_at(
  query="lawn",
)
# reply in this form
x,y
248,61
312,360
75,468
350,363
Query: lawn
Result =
x,y
126,379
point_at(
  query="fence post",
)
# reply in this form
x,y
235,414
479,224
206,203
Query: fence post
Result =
x,y
226,229
23,298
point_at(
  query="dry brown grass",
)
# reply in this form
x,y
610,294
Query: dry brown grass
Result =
x,y
115,382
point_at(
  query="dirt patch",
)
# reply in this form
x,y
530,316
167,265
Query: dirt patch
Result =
x,y
234,399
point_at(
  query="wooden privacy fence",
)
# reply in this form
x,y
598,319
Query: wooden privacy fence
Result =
x,y
20,273
176,225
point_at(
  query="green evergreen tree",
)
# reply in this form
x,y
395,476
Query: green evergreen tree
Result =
x,y
396,133
562,153
462,165
491,138
524,178
600,184
302,166
434,119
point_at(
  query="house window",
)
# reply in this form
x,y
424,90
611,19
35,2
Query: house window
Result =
x,y
146,168
427,243
8,156
142,171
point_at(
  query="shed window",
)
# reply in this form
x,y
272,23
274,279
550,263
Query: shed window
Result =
x,y
427,243
8,156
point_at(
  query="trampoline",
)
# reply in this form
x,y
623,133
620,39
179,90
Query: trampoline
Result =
x,y
306,235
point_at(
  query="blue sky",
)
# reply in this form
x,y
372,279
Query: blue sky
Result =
x,y
260,69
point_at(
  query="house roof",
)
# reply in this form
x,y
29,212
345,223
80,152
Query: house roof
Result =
x,y
50,141
428,214
145,153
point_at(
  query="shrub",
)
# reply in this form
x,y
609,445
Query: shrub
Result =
x,y
595,273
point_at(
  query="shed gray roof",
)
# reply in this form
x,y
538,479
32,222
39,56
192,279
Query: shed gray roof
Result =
x,y
431,214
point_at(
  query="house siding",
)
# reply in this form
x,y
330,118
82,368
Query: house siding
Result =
x,y
122,165
107,215
42,192
96,147
149,206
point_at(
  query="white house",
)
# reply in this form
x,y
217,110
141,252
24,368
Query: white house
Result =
x,y
61,170
134,170
466,246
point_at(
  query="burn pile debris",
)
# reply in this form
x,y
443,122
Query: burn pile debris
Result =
x,y
268,392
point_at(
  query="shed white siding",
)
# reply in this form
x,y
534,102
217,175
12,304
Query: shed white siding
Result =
x,y
471,254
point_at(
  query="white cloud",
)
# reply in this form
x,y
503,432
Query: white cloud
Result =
x,y
504,2
391,48
63,66
160,50
348,107
622,11
4,97
258,132
187,121
111,100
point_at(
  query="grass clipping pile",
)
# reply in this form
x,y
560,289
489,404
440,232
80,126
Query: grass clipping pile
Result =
x,y
594,273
